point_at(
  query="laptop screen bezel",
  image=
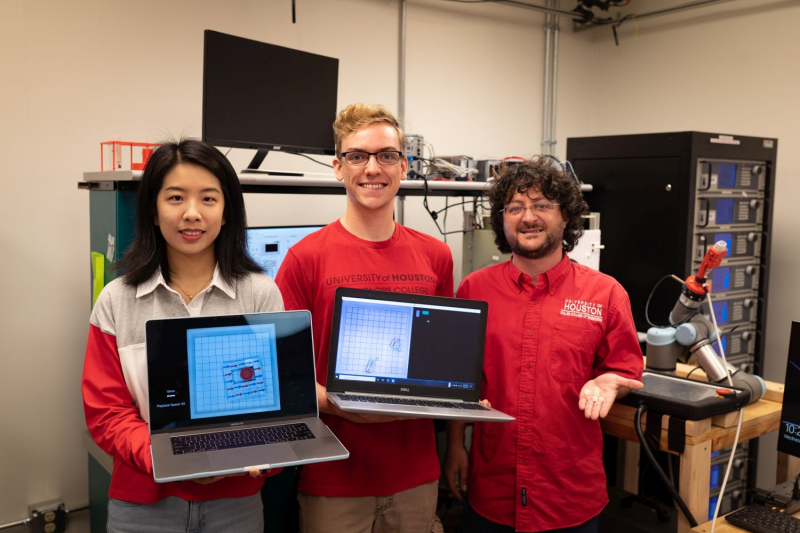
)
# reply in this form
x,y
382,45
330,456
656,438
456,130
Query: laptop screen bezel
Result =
x,y
339,386
307,407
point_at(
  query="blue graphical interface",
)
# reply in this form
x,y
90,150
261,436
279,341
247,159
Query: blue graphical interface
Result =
x,y
724,344
712,506
268,246
714,483
727,176
375,342
721,279
725,211
232,370
727,237
721,311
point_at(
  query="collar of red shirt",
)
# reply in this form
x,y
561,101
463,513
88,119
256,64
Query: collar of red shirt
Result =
x,y
552,278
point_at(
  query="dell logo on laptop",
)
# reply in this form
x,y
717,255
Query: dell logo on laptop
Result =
x,y
405,389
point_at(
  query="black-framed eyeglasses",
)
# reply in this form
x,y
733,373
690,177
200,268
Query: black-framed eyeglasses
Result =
x,y
384,157
515,210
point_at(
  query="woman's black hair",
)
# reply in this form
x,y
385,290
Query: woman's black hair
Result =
x,y
148,252
541,174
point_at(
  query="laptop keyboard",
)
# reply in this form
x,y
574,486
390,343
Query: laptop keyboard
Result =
x,y
411,401
240,438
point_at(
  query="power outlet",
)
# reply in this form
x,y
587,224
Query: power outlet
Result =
x,y
48,517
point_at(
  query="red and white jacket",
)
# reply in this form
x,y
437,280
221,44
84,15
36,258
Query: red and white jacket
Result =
x,y
114,381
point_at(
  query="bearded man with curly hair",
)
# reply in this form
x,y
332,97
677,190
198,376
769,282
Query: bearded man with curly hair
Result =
x,y
561,346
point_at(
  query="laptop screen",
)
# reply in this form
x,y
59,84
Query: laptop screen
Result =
x,y
406,343
268,246
226,370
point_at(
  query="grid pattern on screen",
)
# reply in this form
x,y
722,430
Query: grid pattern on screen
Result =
x,y
233,374
375,342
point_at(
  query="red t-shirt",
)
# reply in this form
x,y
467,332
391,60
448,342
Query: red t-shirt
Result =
x,y
385,458
545,470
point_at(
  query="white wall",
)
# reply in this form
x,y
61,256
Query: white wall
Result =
x,y
74,73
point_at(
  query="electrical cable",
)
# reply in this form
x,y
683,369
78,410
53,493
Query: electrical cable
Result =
x,y
435,214
444,220
677,497
315,161
741,414
652,292
692,371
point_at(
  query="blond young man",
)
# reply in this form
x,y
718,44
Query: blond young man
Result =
x,y
389,483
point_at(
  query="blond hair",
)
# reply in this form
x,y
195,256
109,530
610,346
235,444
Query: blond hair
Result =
x,y
358,116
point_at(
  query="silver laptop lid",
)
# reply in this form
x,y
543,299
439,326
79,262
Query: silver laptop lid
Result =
x,y
223,371
414,345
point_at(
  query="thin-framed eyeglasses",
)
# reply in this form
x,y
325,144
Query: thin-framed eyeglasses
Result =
x,y
384,157
515,210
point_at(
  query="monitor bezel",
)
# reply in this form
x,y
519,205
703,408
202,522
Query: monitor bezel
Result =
x,y
260,145
339,385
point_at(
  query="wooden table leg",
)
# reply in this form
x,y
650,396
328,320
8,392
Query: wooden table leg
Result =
x,y
628,466
695,477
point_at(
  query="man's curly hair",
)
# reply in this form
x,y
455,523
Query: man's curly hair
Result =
x,y
541,174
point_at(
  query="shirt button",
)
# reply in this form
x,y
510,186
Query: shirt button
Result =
x,y
527,365
530,333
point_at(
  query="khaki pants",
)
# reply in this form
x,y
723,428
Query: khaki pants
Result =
x,y
410,511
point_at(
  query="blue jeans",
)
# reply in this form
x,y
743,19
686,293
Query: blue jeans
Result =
x,y
173,515
472,522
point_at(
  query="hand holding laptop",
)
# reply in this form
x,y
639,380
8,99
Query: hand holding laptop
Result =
x,y
233,395
406,355
330,408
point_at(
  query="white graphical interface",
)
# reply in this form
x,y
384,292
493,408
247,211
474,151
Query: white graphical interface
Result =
x,y
268,246
232,370
374,339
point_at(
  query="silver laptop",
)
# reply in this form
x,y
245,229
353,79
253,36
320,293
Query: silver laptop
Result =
x,y
408,355
230,393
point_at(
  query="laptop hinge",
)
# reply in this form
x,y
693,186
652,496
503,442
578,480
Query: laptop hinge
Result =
x,y
404,397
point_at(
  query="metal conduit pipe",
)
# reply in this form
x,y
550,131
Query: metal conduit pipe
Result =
x,y
546,86
401,76
544,9
554,82
400,207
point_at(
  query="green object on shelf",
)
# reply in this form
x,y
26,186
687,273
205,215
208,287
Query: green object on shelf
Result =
x,y
98,275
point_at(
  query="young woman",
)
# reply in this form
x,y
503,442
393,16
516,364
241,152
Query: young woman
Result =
x,y
188,258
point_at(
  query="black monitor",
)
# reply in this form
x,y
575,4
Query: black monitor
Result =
x,y
268,245
267,97
789,432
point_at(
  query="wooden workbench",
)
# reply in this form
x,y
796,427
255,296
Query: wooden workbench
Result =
x,y
702,438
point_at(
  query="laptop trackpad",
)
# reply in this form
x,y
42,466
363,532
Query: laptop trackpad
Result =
x,y
251,456
319,447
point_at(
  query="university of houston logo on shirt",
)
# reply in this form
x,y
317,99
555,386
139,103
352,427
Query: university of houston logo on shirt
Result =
x,y
581,309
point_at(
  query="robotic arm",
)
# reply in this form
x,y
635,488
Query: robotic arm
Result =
x,y
697,333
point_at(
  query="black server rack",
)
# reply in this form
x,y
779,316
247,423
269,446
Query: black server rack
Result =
x,y
663,199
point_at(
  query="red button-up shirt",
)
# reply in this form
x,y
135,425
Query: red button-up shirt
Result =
x,y
544,342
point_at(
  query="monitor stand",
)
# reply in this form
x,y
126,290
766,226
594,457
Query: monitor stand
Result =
x,y
252,168
779,496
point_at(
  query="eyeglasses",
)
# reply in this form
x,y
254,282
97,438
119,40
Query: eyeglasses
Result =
x,y
516,210
385,157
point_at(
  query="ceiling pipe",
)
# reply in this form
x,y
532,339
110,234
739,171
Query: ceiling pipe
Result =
x,y
544,9
659,12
